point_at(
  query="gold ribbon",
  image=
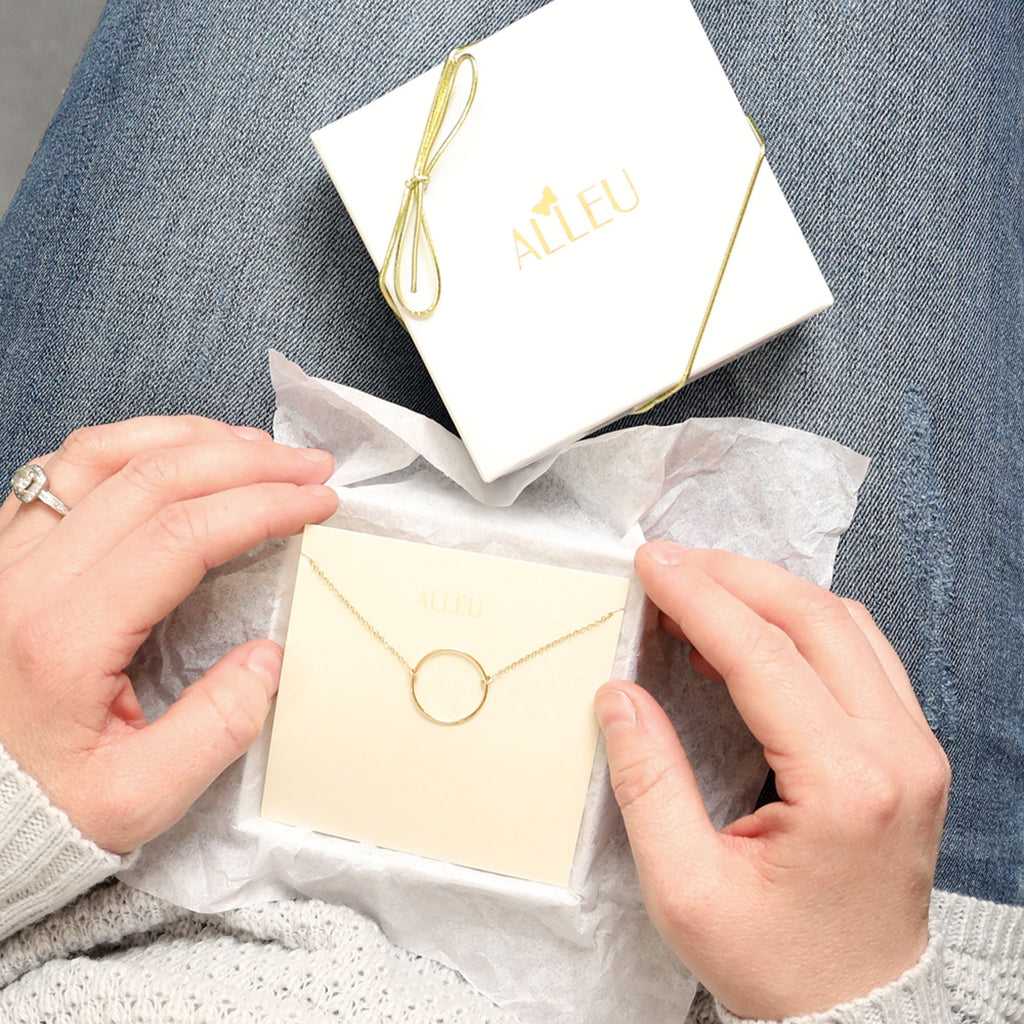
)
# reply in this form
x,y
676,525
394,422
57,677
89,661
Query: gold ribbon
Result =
x,y
647,406
411,214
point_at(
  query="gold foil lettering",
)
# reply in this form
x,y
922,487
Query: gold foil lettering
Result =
x,y
543,241
567,229
452,604
549,204
523,248
588,203
614,201
467,606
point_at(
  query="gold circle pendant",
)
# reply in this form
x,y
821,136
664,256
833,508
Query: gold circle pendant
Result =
x,y
448,652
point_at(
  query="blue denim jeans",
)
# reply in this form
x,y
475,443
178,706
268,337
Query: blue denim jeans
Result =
x,y
176,223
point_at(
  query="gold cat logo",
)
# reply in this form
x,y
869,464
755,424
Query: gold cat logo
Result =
x,y
571,223
546,202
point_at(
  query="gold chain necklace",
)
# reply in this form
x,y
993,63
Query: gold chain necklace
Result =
x,y
414,670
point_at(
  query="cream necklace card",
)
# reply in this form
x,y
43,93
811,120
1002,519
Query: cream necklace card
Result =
x,y
580,217
356,751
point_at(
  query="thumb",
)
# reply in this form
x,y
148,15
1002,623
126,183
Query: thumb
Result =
x,y
212,723
655,787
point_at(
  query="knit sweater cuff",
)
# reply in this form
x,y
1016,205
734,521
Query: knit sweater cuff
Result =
x,y
45,862
918,997
984,947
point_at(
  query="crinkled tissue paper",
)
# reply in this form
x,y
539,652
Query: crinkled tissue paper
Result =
x,y
589,953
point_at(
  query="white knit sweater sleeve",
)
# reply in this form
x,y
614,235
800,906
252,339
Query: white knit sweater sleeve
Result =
x,y
45,862
972,971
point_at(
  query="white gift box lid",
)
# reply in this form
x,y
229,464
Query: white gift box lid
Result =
x,y
581,218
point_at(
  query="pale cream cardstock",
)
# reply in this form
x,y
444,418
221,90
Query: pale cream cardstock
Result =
x,y
554,956
580,217
352,756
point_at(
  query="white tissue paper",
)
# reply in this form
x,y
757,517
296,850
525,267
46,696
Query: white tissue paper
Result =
x,y
554,956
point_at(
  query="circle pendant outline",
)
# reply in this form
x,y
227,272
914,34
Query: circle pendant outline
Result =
x,y
466,656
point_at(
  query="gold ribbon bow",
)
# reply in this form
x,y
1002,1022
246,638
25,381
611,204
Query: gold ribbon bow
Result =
x,y
411,214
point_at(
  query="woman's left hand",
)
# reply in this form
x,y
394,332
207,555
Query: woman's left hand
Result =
x,y
822,896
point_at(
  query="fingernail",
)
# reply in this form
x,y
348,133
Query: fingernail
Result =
x,y
664,552
320,490
265,662
315,454
615,712
251,434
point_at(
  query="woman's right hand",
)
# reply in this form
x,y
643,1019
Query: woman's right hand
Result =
x,y
154,503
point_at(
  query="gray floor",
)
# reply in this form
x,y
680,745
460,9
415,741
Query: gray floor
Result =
x,y
40,43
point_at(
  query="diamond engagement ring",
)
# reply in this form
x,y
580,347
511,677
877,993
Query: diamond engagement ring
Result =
x,y
29,483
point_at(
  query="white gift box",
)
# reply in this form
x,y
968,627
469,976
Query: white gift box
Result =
x,y
583,219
